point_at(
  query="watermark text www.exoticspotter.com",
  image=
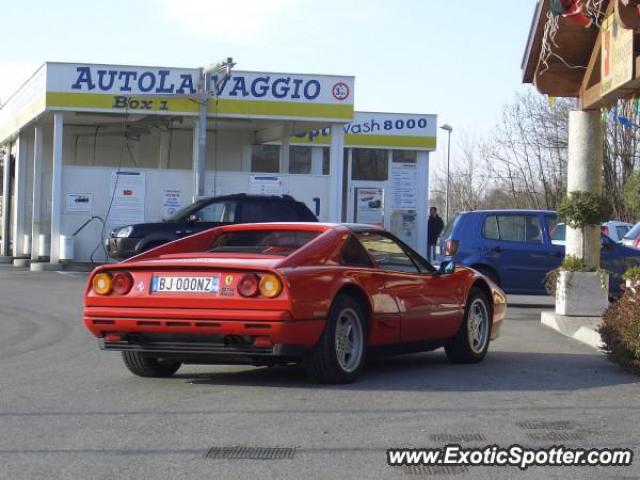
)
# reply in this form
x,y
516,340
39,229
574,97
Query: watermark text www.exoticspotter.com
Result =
x,y
513,456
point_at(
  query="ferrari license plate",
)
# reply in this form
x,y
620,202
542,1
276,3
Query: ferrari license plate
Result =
x,y
186,284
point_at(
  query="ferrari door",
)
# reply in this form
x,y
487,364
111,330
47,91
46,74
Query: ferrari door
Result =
x,y
426,301
428,304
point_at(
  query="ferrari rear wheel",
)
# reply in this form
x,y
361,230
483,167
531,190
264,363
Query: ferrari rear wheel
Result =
x,y
144,366
471,343
339,355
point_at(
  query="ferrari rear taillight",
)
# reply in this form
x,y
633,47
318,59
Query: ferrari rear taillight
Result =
x,y
102,283
249,285
121,283
636,242
605,230
270,286
451,248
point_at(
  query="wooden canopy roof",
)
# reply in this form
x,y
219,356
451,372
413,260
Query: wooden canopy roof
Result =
x,y
563,59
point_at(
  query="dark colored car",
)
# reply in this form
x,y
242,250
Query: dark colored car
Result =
x,y
130,240
517,248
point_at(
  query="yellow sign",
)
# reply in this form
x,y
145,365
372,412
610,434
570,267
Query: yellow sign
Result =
x,y
228,280
617,55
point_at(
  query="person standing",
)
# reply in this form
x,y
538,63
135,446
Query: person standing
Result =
x,y
435,227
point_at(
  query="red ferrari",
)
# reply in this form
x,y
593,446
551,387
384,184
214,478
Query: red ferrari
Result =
x,y
322,295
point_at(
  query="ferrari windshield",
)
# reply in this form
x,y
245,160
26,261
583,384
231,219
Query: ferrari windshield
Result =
x,y
264,242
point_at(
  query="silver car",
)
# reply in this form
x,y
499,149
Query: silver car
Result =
x,y
632,237
614,229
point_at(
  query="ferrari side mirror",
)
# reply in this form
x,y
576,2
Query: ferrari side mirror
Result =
x,y
447,267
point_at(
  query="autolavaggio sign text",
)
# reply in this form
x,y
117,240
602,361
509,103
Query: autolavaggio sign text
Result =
x,y
241,85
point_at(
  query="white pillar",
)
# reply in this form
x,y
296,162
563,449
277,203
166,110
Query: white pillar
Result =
x,y
6,201
387,212
19,186
336,156
200,141
200,160
284,149
56,187
585,175
422,199
36,212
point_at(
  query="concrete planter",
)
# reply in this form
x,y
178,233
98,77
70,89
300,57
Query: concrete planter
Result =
x,y
582,294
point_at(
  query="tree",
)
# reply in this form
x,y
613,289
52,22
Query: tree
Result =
x,y
530,150
621,156
523,164
632,195
468,180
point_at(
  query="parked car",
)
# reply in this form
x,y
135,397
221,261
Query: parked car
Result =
x,y
130,240
517,248
613,229
324,295
616,230
632,237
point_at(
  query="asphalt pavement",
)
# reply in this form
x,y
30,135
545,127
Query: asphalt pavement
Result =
x,y
68,410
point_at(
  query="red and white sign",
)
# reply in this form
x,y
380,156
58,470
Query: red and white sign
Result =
x,y
341,91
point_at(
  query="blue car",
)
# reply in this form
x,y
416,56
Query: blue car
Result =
x,y
517,248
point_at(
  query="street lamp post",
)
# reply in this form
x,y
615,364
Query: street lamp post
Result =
x,y
448,129
221,70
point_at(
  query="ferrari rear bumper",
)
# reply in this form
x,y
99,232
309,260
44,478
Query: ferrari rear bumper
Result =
x,y
207,349
204,335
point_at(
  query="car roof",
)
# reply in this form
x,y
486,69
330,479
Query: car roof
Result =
x,y
249,196
617,222
362,227
509,210
318,226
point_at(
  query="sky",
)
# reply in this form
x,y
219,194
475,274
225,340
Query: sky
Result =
x,y
460,60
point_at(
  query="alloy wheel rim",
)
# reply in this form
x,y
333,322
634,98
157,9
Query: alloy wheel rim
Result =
x,y
478,326
349,340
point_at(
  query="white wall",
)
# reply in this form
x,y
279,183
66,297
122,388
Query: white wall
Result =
x,y
225,149
97,180
107,147
90,160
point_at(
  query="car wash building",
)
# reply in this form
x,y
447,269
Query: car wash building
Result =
x,y
89,148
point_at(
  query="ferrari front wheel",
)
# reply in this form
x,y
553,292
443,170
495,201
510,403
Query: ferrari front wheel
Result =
x,y
339,355
471,343
144,366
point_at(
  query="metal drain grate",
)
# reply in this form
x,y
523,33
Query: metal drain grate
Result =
x,y
540,425
435,470
457,437
250,453
556,436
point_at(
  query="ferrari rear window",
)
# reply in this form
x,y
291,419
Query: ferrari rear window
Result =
x,y
264,242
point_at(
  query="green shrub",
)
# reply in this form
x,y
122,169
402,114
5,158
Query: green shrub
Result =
x,y
580,209
571,263
633,274
620,332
